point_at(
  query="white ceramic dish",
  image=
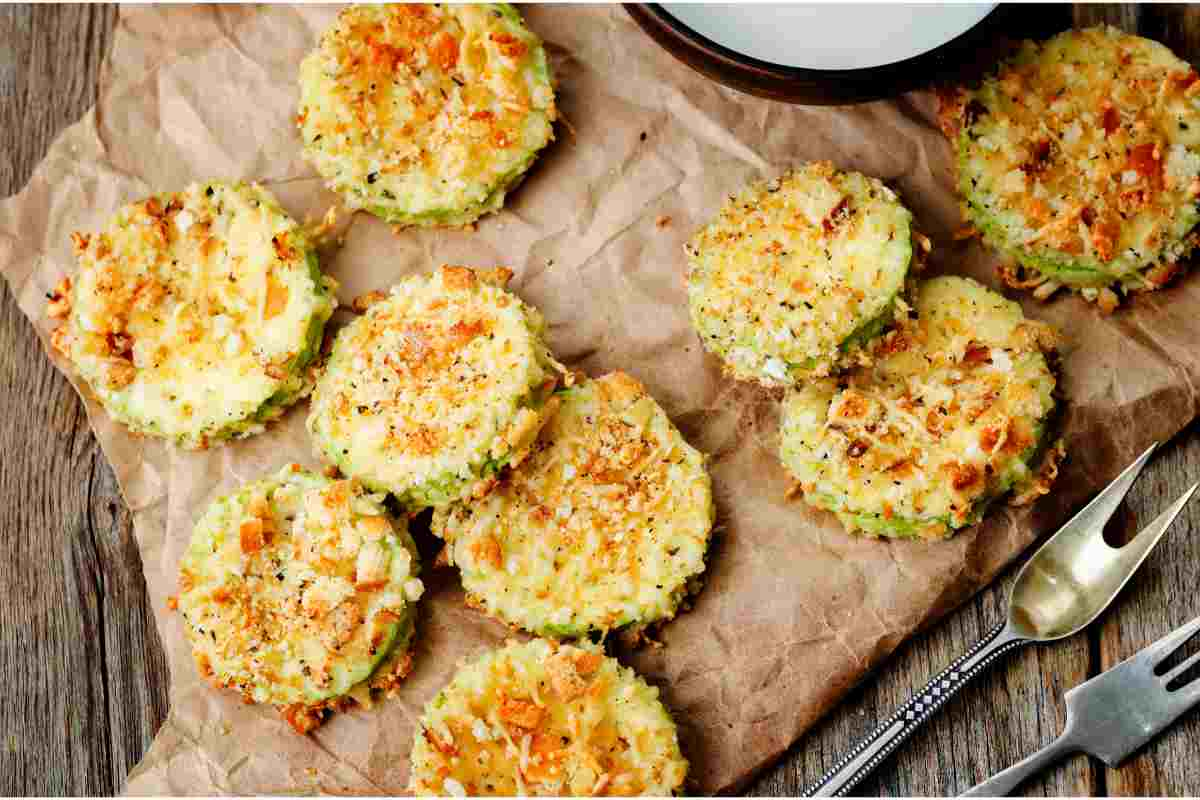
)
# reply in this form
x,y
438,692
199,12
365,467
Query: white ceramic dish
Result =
x,y
829,36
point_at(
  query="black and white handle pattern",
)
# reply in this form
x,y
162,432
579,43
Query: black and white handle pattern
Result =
x,y
883,741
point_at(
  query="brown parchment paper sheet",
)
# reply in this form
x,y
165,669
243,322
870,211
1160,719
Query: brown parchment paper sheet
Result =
x,y
794,612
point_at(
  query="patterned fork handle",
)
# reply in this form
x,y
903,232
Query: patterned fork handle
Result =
x,y
884,740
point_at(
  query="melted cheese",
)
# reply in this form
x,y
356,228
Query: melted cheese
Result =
x,y
434,388
795,271
605,524
555,720
279,603
196,315
946,418
426,114
1079,157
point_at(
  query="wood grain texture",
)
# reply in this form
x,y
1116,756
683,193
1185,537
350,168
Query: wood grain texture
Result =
x,y
84,669
80,660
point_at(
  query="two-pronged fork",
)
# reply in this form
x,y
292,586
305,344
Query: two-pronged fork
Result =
x,y
1115,713
1062,588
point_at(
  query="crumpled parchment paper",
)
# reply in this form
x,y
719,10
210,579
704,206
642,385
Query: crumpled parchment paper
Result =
x,y
795,611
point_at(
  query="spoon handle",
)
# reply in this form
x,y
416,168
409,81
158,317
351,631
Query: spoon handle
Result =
x,y
868,753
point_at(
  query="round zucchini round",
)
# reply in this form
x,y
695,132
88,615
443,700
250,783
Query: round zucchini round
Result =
x,y
295,588
195,315
545,718
951,414
435,389
606,524
797,274
1080,159
426,114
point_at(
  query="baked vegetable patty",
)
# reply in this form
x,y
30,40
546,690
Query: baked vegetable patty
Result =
x,y
951,415
436,388
426,114
797,273
1080,159
605,524
294,588
546,718
195,315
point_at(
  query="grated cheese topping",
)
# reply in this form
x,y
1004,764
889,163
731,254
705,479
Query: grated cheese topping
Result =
x,y
195,315
797,273
605,524
426,114
293,590
557,720
950,415
435,389
1080,158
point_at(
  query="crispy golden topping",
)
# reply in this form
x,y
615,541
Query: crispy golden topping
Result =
x,y
606,523
446,374
293,589
1080,154
58,304
191,314
421,113
541,718
795,271
915,443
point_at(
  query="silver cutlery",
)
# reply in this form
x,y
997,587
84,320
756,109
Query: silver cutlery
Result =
x,y
1115,713
1059,591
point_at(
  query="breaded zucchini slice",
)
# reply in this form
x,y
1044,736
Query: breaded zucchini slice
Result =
x,y
426,114
1080,159
548,719
606,523
951,415
195,315
436,388
295,588
798,273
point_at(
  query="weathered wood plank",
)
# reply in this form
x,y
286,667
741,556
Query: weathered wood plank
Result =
x,y
79,657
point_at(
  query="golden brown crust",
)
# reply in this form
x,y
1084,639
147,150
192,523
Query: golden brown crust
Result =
x,y
1043,481
546,719
420,113
1080,158
361,303
944,421
298,591
447,377
604,526
58,304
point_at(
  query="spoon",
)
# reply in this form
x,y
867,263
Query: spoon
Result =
x,y
1060,590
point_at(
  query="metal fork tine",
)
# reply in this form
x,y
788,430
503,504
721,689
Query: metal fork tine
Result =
x,y
1155,653
1184,697
1149,535
1183,667
1097,513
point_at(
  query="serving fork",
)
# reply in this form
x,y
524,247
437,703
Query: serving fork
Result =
x,y
1067,583
1116,712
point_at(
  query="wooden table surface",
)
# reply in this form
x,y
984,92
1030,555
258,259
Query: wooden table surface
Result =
x,y
83,669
